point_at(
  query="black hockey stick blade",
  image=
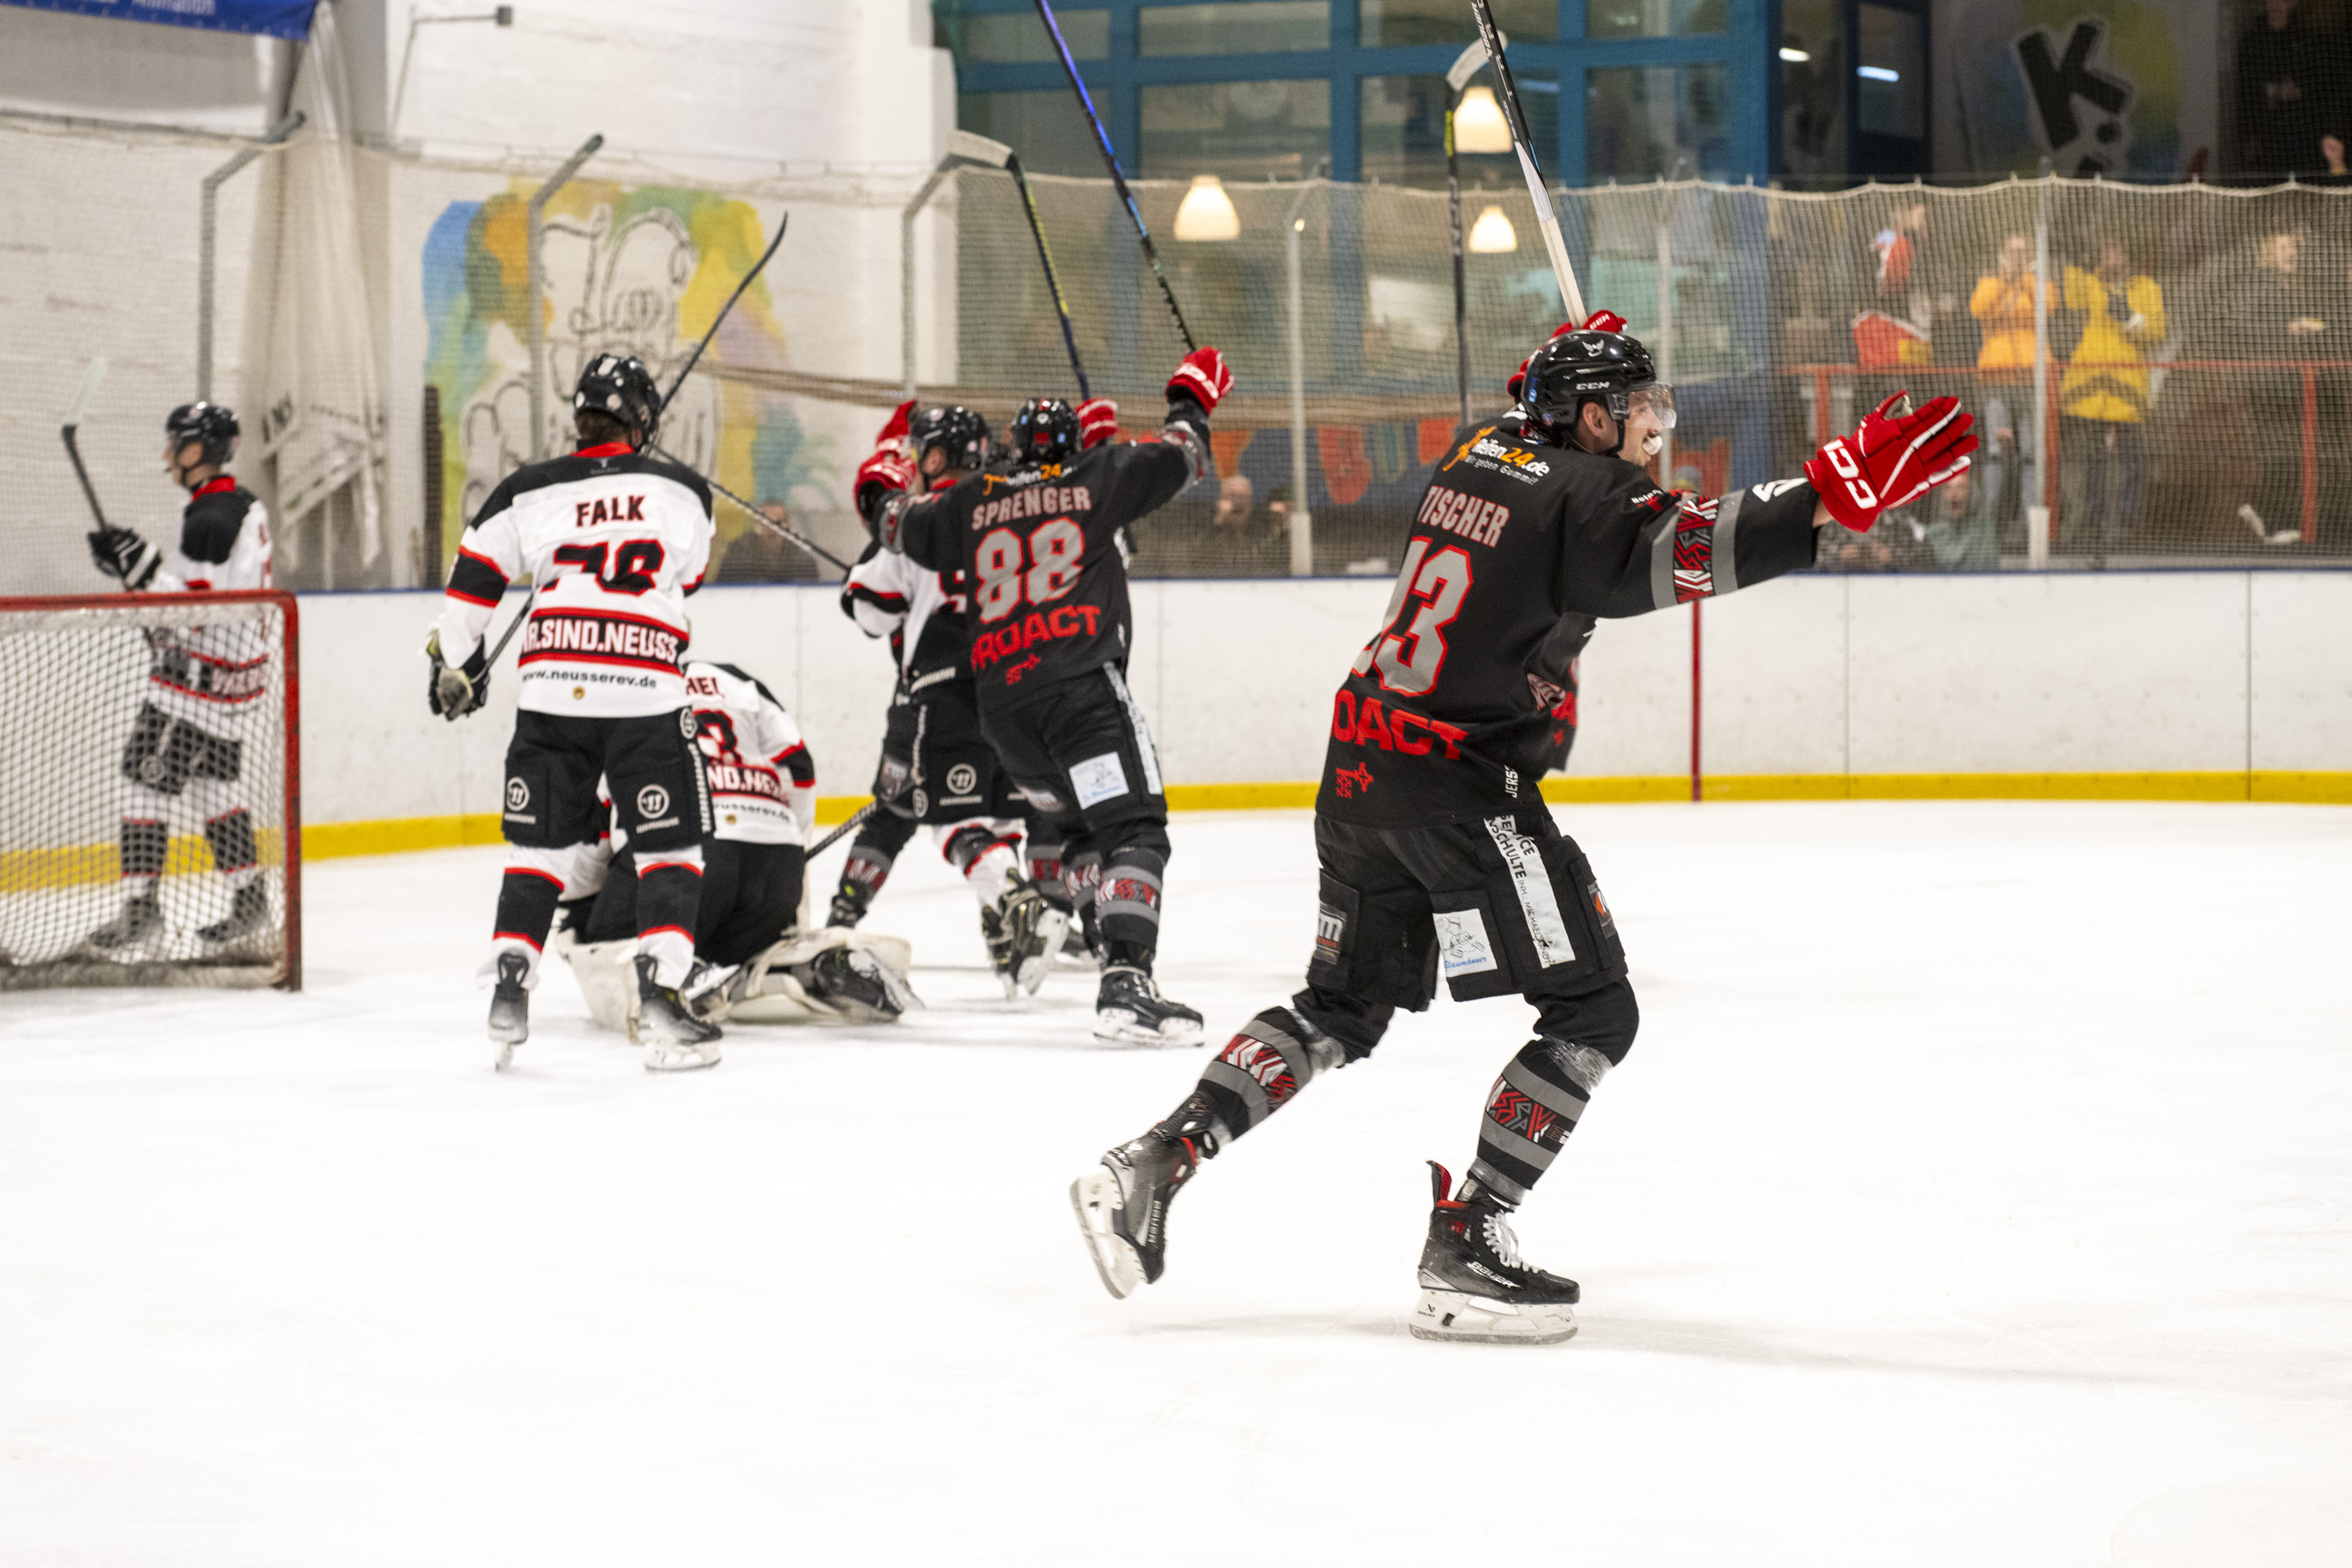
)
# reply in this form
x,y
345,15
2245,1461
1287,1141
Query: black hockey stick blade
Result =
x,y
1118,177
694,358
762,518
857,819
1546,220
93,376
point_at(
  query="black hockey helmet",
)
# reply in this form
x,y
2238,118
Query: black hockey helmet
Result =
x,y
955,430
620,387
1046,430
1581,367
209,424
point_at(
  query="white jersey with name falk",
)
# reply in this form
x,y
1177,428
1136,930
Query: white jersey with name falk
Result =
x,y
615,541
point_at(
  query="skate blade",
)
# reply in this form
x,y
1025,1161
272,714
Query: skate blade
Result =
x,y
1051,927
1094,1196
1477,1320
1117,1027
503,1058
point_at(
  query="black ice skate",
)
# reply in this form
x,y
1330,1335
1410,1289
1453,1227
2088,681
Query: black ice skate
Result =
x,y
1473,1284
1122,1206
140,921
856,976
1130,1010
1031,930
248,913
510,1009
676,1040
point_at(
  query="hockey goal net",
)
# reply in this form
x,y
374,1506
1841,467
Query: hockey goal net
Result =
x,y
150,810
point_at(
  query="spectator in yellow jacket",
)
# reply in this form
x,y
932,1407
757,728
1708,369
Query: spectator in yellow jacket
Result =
x,y
2004,306
2103,401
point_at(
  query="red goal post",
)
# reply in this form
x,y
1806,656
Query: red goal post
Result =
x,y
146,731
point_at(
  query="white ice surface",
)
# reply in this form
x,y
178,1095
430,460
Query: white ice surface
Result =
x,y
1980,1194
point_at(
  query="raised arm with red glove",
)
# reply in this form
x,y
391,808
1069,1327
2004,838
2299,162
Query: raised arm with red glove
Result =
x,y
1097,422
1891,462
888,469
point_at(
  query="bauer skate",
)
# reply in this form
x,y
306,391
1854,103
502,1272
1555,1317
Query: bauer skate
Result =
x,y
1130,1010
676,1040
248,913
856,981
141,922
1122,1206
510,1009
1031,930
1473,1284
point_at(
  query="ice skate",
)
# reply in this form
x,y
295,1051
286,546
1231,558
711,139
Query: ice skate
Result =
x,y
140,921
1074,951
248,913
856,978
1474,1286
1122,1207
676,1040
510,1009
1031,930
1130,1010
709,987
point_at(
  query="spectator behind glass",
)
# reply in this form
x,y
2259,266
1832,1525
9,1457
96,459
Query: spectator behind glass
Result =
x,y
1955,521
2284,93
2003,305
2276,319
2103,400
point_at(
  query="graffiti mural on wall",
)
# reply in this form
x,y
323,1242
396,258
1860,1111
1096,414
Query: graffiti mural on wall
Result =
x,y
2098,87
637,270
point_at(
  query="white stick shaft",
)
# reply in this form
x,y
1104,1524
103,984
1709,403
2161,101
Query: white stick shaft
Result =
x,y
1554,246
93,376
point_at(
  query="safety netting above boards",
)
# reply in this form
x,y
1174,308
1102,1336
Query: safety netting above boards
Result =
x,y
2161,375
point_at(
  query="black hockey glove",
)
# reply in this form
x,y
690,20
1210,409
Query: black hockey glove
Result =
x,y
122,554
454,693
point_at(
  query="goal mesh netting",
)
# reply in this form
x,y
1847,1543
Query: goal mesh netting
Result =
x,y
164,765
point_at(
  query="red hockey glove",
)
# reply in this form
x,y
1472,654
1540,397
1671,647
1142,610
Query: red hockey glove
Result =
x,y
1097,422
886,471
1202,377
896,430
1892,462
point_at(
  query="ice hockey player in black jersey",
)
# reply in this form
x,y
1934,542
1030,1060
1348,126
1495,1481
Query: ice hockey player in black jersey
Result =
x,y
203,685
1039,548
614,540
937,768
1438,854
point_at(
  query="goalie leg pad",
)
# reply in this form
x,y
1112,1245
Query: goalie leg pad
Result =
x,y
608,982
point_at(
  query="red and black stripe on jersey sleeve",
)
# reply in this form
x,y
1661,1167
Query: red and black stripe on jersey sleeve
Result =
x,y
797,763
476,580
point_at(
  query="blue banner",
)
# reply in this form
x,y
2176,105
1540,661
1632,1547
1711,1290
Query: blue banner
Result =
x,y
275,18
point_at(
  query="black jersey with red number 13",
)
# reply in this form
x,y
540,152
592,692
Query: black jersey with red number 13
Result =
x,y
1039,550
1446,714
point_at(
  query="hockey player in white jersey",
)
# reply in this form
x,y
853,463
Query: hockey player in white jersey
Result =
x,y
752,958
187,743
614,540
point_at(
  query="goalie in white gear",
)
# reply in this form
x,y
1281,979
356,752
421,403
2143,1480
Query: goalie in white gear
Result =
x,y
187,743
752,960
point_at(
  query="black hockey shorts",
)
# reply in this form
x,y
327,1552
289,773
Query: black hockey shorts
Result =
x,y
1080,753
649,762
1508,903
936,767
163,753
751,897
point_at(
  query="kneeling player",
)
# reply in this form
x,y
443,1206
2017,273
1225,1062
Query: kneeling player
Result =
x,y
1040,549
187,742
936,767
613,541
763,786
1437,853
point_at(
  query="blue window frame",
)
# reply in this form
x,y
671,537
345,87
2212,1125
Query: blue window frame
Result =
x,y
1720,83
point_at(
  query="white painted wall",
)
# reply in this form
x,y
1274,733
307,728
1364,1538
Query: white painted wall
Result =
x,y
2125,672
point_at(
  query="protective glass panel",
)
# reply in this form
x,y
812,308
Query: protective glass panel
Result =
x,y
1385,24
1653,18
1015,36
1237,129
1891,98
1244,27
1047,129
1812,90
1649,123
1403,131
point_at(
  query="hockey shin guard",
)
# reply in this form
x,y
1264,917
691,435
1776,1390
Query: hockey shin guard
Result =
x,y
1533,1108
145,841
1127,905
1045,867
669,897
871,854
1271,1059
231,838
527,899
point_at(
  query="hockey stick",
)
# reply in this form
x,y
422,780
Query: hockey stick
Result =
x,y
1053,282
763,519
1546,219
857,819
693,358
1118,179
93,376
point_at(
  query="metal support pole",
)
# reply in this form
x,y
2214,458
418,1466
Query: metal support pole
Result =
x,y
205,242
1302,520
1666,354
2038,525
536,285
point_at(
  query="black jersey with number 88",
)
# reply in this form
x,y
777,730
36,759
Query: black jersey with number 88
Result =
x,y
1446,714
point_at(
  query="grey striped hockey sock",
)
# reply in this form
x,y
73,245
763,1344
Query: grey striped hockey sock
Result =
x,y
1271,1058
1534,1105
